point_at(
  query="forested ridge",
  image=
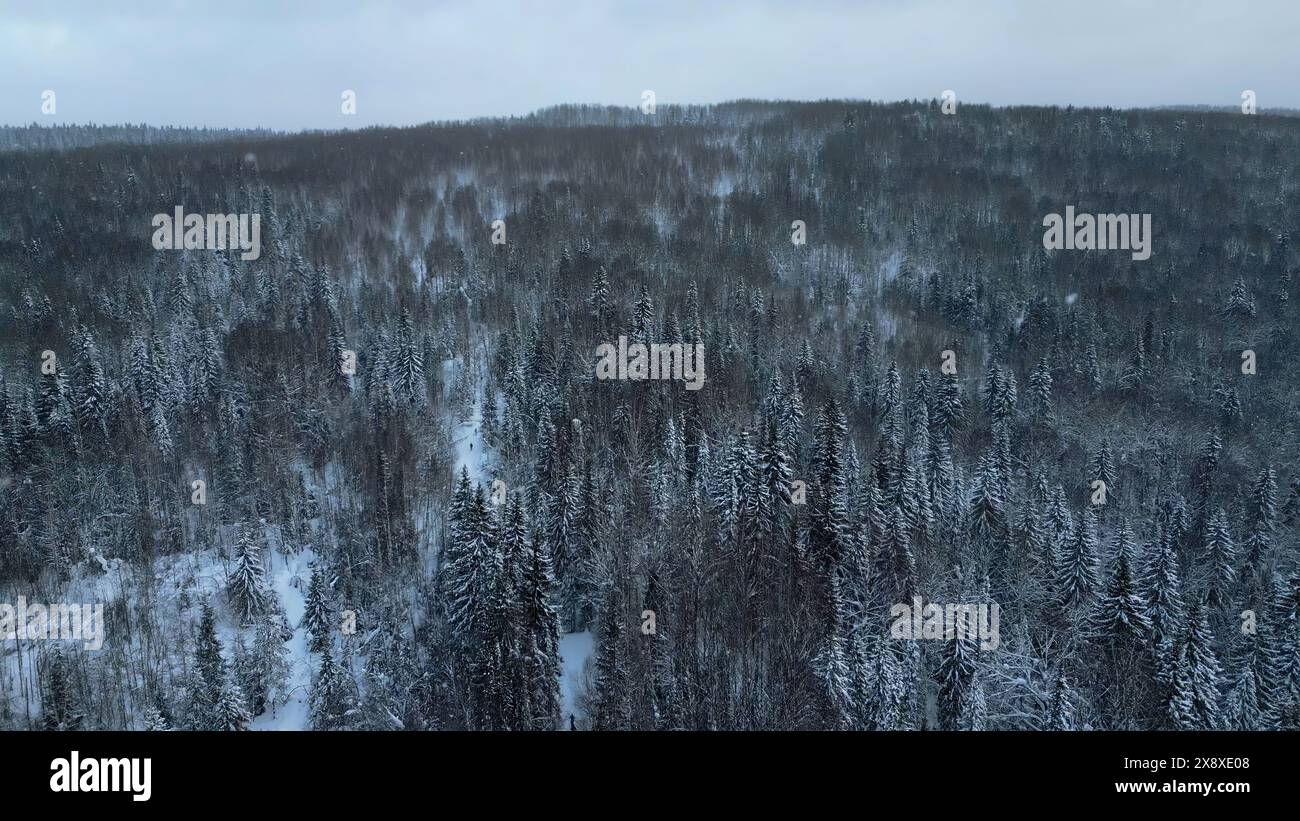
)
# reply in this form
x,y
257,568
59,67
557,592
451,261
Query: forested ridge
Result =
x,y
473,494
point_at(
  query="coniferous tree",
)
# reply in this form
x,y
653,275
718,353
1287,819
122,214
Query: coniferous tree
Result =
x,y
960,700
1121,613
1061,712
316,613
540,629
1163,591
1076,574
246,586
611,696
1261,512
1243,707
1103,466
406,366
207,678
59,712
1221,560
230,713
1194,704
333,698
1040,389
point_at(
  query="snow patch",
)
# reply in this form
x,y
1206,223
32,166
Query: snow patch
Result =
x,y
289,576
575,649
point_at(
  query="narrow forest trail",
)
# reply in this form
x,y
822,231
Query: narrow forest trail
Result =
x,y
467,439
289,576
474,454
575,649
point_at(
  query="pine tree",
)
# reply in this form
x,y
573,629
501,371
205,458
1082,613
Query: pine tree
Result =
x,y
831,665
1280,675
1163,591
1121,614
54,408
1091,368
1061,712
471,572
806,369
579,585
948,414
178,297
156,719
960,692
406,366
1076,575
888,689
598,302
643,316
333,696
1229,407
1243,707
92,391
611,697
865,351
230,713
1221,559
246,586
269,659
773,506
208,679
829,537
896,564
1040,389
986,507
316,613
1194,704
1103,466
1261,512
1135,374
540,628
999,393
1240,303
890,392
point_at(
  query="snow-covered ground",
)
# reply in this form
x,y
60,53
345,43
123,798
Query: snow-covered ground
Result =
x,y
467,438
575,648
289,575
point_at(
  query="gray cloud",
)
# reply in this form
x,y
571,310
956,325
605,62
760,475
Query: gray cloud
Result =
x,y
284,65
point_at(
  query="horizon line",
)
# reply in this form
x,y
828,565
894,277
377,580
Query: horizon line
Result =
x,y
611,107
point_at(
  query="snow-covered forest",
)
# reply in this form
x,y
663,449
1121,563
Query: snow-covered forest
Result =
x,y
370,479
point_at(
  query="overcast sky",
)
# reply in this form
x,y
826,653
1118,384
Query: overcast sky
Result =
x,y
284,65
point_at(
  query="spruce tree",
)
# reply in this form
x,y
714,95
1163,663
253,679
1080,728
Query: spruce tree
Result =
x,y
1061,711
246,586
960,699
611,696
1261,512
333,697
1221,560
230,713
1243,707
539,626
316,613
1163,591
1121,613
1194,703
1076,574
1040,390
